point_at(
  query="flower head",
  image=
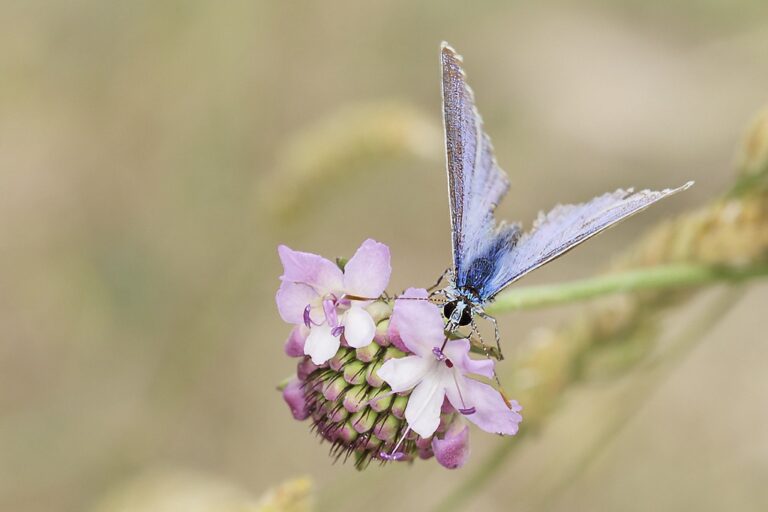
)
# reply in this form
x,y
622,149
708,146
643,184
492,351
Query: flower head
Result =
x,y
381,382
327,304
351,407
440,369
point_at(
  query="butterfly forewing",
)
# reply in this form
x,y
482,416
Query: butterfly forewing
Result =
x,y
565,227
476,183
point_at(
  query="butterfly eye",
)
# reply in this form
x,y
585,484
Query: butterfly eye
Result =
x,y
448,309
466,317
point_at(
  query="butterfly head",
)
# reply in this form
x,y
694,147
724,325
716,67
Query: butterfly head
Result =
x,y
458,312
462,305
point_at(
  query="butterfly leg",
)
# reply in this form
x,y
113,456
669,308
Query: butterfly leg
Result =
x,y
489,353
496,332
475,331
439,280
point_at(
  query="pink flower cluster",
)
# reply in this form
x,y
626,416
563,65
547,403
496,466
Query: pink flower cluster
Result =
x,y
331,309
323,302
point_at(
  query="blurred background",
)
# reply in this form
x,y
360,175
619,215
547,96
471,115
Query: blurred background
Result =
x,y
153,154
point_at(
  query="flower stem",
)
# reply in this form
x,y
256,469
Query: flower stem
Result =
x,y
657,277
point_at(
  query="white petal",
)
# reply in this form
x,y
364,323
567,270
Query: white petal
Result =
x,y
359,328
423,410
321,345
404,373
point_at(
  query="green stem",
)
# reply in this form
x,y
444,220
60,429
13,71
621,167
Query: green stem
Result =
x,y
662,276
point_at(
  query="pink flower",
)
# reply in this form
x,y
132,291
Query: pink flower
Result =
x,y
293,394
452,451
326,303
440,369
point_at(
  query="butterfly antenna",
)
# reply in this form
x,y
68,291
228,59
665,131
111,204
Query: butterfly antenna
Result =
x,y
400,297
433,290
365,299
429,298
384,296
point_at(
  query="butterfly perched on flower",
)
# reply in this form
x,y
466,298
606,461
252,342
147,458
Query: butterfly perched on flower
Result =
x,y
489,256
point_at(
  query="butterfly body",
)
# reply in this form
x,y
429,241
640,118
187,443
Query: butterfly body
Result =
x,y
489,256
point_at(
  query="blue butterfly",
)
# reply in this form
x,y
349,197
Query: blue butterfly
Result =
x,y
489,256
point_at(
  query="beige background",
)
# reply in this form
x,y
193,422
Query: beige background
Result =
x,y
138,263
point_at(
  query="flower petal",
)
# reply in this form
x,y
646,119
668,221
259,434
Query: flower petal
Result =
x,y
423,410
404,373
418,323
491,412
453,450
394,338
366,274
359,328
293,394
331,315
458,352
292,299
303,267
294,345
321,345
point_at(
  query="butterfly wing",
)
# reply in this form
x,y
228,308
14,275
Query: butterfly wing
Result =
x,y
488,257
475,182
565,227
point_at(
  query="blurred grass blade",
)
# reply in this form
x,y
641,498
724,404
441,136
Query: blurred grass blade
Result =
x,y
173,490
292,496
351,141
753,158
